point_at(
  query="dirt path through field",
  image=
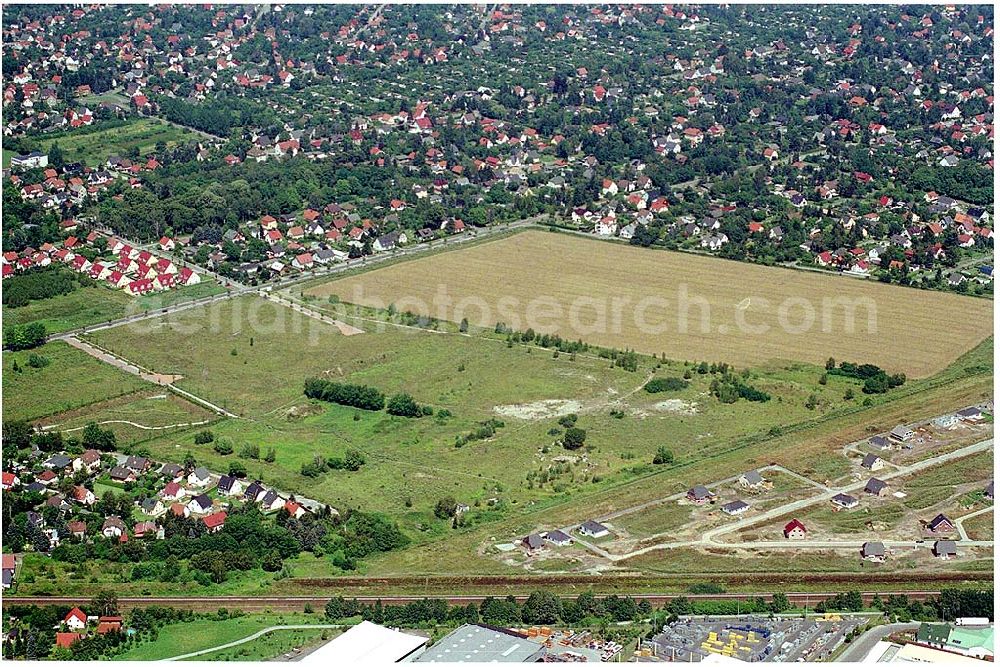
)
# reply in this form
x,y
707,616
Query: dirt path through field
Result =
x,y
160,379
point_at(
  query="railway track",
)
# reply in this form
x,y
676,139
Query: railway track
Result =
x,y
293,602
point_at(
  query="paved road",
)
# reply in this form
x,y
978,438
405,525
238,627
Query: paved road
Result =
x,y
256,635
860,647
961,520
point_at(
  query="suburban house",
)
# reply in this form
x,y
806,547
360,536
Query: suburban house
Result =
x,y
873,551
172,491
77,529
122,474
593,529
90,459
179,509
152,507
946,421
940,524
272,501
845,501
10,480
558,538
533,542
944,549
145,529
75,619
872,462
795,530
973,415
199,477
294,509
9,567
215,522
230,486
113,527
751,479
735,508
200,504
699,495
254,492
876,487
84,496
901,433
880,442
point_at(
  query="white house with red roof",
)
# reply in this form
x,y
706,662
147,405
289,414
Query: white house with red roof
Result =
x,y
75,619
294,509
215,522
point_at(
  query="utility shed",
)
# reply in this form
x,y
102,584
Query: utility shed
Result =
x,y
482,643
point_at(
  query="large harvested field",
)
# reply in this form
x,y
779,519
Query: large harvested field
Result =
x,y
684,306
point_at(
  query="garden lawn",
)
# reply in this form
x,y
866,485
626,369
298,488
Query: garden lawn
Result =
x,y
93,145
271,645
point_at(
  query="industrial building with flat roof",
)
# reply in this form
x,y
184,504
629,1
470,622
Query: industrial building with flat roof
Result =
x,y
482,643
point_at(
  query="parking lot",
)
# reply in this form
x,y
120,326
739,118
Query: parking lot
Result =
x,y
752,638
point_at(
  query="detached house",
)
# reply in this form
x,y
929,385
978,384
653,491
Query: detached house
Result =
x,y
199,477
593,529
200,504
873,552
699,495
751,479
940,524
872,462
215,522
795,530
113,527
230,486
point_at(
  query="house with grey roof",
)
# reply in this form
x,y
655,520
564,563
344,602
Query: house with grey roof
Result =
x,y
902,433
751,479
533,542
558,538
200,476
876,487
872,462
735,508
945,549
593,529
845,501
873,551
699,495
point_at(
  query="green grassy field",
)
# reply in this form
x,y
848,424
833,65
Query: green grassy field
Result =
x,y
150,413
474,377
79,308
181,638
271,645
252,357
72,379
93,145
